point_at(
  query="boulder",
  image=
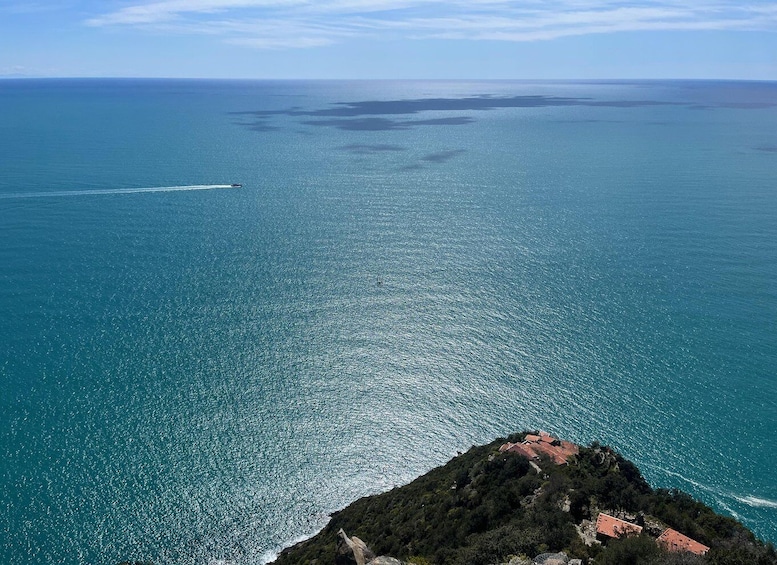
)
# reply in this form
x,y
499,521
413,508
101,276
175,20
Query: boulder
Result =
x,y
551,559
520,560
385,560
352,551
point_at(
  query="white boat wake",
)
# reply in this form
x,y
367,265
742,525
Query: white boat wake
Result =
x,y
15,195
757,502
721,495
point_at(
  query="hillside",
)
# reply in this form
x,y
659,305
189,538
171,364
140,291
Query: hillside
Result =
x,y
489,506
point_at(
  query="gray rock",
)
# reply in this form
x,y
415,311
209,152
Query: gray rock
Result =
x,y
552,559
352,551
385,560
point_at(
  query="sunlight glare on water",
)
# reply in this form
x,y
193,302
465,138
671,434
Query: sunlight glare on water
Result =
x,y
195,376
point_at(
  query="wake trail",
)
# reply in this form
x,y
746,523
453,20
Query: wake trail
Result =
x,y
757,502
722,495
17,195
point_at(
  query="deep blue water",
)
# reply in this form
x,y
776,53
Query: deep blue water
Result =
x,y
409,269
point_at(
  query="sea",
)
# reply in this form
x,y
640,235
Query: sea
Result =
x,y
195,373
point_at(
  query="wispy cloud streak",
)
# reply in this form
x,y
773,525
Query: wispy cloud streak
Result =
x,y
306,23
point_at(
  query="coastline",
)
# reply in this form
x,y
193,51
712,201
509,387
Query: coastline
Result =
x,y
599,502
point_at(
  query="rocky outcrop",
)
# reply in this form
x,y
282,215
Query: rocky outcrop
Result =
x,y
487,506
385,560
551,559
352,551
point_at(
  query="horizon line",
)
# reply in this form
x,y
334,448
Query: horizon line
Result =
x,y
384,79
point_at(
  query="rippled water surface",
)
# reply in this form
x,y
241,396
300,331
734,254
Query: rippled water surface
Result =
x,y
409,268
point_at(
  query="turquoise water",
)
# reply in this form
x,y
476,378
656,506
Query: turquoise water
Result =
x,y
410,268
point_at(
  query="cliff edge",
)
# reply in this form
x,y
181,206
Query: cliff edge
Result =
x,y
531,498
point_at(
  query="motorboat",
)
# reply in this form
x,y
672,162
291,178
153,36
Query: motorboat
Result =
x,y
236,185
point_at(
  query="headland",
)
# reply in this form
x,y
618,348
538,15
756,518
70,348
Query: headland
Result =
x,y
531,499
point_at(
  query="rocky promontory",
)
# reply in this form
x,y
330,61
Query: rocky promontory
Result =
x,y
531,499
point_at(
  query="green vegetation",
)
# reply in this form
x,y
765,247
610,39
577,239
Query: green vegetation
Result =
x,y
484,506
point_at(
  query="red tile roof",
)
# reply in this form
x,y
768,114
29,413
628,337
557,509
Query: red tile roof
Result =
x,y
613,527
522,450
558,453
673,540
535,445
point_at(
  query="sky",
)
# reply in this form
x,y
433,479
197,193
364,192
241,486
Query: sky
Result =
x,y
390,39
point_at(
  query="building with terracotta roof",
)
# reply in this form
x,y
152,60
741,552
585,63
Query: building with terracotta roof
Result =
x,y
672,540
533,446
521,449
610,527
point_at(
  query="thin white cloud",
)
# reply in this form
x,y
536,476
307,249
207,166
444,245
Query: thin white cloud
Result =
x,y
23,71
310,23
23,8
154,12
265,34
158,12
271,41
13,70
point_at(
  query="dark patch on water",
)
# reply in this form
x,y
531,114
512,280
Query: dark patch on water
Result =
x,y
368,115
366,148
436,157
414,106
264,113
365,124
455,121
748,105
735,106
259,126
385,124
442,156
766,148
590,121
